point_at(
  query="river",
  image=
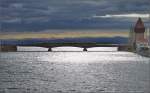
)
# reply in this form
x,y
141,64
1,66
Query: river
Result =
x,y
74,72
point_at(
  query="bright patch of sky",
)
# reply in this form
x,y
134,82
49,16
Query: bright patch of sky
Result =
x,y
133,15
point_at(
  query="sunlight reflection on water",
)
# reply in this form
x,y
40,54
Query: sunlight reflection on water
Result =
x,y
81,49
65,48
93,57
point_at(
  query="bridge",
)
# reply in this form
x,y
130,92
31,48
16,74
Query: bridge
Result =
x,y
121,47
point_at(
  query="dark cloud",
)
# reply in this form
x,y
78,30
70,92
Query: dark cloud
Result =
x,y
66,13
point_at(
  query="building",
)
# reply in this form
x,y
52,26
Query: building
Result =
x,y
149,36
139,39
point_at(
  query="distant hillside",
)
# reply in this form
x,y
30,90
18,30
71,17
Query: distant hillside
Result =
x,y
114,40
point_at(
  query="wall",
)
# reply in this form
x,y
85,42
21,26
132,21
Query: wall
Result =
x,y
8,48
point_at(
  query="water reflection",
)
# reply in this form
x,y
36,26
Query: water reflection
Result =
x,y
28,48
93,57
65,48
81,49
74,72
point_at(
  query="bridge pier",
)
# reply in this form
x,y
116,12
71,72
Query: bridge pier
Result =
x,y
50,49
84,49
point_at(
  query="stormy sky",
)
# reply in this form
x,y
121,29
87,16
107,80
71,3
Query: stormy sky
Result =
x,y
39,15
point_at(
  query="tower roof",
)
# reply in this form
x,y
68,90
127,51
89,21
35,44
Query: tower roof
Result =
x,y
139,27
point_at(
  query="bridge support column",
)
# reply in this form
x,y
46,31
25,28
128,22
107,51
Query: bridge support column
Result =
x,y
50,49
84,49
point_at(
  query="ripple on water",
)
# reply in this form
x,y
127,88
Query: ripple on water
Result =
x,y
73,72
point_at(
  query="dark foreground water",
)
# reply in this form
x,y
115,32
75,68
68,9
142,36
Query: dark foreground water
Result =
x,y
74,72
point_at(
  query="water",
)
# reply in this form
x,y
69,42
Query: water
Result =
x,y
74,72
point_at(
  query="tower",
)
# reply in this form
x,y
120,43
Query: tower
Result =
x,y
139,31
139,37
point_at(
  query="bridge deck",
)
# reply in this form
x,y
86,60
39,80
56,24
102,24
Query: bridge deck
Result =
x,y
121,47
82,45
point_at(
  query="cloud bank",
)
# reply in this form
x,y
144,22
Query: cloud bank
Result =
x,y
34,15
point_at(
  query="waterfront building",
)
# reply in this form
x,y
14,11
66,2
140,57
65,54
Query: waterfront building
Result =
x,y
149,37
138,37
